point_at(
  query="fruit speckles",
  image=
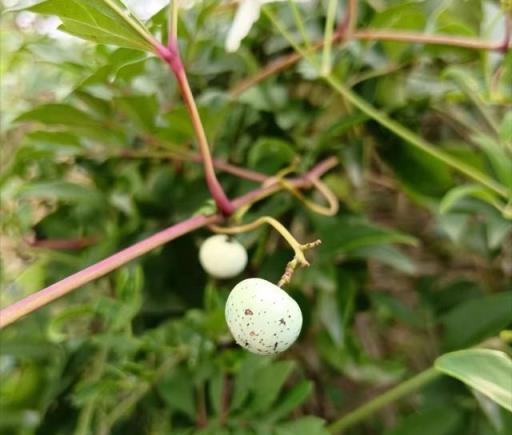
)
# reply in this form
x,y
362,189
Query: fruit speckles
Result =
x,y
263,318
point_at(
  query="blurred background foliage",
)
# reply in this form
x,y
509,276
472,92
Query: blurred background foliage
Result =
x,y
417,262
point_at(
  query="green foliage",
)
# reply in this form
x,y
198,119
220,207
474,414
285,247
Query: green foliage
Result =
x,y
101,21
97,154
488,371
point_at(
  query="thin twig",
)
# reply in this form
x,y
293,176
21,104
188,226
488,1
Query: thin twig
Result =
x,y
288,60
219,164
71,244
423,38
61,288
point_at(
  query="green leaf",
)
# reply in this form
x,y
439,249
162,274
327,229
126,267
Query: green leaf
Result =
x,y
346,235
291,400
60,190
458,193
177,391
244,379
270,154
506,129
101,21
140,109
454,225
270,380
472,321
129,285
439,420
487,371
389,307
388,255
69,319
499,157
331,315
59,114
303,426
421,174
216,392
57,139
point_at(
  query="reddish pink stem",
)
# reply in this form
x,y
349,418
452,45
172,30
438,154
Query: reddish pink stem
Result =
x,y
59,289
55,291
172,57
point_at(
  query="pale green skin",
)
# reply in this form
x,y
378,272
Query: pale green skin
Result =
x,y
262,318
222,256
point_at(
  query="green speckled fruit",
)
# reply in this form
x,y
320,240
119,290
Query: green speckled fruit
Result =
x,y
263,318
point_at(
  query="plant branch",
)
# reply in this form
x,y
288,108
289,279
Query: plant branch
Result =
x,y
370,35
61,288
222,165
423,38
172,57
401,390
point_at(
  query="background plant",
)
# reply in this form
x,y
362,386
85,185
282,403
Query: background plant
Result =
x,y
98,155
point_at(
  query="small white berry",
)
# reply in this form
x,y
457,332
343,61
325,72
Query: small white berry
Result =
x,y
222,256
262,318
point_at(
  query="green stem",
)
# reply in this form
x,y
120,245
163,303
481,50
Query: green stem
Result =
x,y
299,22
280,27
173,21
328,31
401,390
415,140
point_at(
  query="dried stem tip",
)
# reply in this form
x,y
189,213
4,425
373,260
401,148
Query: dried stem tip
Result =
x,y
298,260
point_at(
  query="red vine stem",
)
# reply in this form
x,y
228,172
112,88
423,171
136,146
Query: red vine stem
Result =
x,y
171,56
43,297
